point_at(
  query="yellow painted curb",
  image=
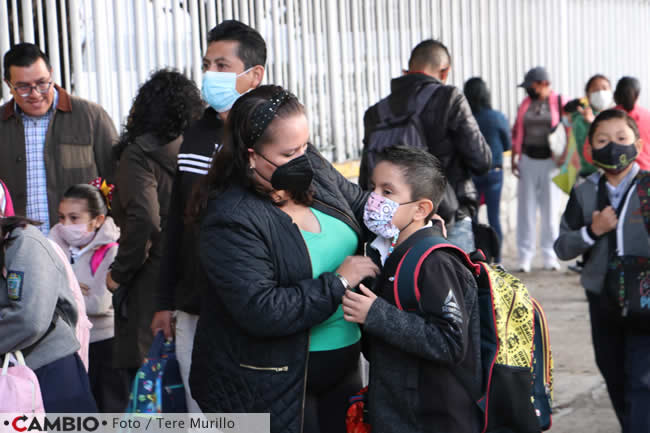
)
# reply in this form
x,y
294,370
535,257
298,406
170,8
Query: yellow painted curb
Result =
x,y
349,169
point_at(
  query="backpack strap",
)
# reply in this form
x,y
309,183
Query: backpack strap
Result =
x,y
98,256
643,191
405,288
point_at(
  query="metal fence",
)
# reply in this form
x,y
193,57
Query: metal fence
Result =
x,y
338,56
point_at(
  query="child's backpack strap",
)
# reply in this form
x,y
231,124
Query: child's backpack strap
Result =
x,y
643,190
98,256
405,288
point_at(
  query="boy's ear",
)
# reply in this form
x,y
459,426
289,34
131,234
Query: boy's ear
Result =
x,y
425,208
639,145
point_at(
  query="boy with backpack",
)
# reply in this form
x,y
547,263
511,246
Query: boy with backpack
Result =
x,y
607,219
417,357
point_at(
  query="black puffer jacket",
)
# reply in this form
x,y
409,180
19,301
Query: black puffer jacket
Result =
x,y
417,357
251,346
452,134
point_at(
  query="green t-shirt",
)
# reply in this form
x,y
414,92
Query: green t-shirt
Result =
x,y
327,250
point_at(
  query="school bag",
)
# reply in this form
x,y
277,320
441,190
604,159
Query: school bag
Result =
x,y
6,205
399,129
19,387
627,282
158,386
517,365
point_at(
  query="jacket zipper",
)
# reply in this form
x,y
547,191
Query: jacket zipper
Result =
x,y
276,369
304,382
354,224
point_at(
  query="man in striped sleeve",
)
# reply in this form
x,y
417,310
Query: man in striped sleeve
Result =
x,y
233,64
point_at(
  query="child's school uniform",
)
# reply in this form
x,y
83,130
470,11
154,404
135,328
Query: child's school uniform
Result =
x,y
622,350
416,357
109,385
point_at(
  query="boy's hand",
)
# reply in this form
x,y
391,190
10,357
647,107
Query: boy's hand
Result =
x,y
357,305
603,221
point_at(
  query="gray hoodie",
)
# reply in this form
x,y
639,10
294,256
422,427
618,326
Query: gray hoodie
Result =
x,y
98,300
33,283
631,233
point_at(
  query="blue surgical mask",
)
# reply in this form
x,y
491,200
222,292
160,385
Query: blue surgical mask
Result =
x,y
219,89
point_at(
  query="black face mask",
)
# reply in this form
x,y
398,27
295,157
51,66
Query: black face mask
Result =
x,y
532,93
294,176
614,157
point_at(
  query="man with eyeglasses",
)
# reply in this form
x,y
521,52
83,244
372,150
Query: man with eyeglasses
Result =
x,y
50,139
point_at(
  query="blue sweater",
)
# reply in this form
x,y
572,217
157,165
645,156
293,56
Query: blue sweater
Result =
x,y
496,130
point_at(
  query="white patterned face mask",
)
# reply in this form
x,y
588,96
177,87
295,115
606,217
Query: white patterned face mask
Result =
x,y
378,216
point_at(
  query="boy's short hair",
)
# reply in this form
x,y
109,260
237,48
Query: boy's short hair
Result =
x,y
252,48
421,170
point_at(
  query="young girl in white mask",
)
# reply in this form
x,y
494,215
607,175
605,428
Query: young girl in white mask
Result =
x,y
88,236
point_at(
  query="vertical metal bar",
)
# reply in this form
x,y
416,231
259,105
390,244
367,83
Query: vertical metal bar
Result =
x,y
306,48
320,79
334,60
346,102
4,42
28,21
204,27
235,10
381,47
260,27
227,9
140,42
291,36
361,103
159,26
99,17
412,30
211,14
66,46
371,48
77,59
122,72
195,61
41,27
405,41
178,46
277,43
14,19
243,8
53,39
391,30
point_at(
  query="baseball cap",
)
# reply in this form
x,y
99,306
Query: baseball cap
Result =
x,y
536,74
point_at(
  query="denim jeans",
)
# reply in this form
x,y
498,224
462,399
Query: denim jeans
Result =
x,y
490,186
461,235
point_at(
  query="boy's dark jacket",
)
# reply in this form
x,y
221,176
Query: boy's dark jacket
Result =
x,y
414,358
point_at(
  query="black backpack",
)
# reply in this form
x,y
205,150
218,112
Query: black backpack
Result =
x,y
401,129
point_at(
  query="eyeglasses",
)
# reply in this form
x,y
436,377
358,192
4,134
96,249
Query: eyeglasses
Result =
x,y
25,91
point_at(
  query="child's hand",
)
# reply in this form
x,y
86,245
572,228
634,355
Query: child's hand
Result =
x,y
603,221
357,305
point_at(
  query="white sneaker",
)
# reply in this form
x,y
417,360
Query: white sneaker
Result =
x,y
524,267
552,266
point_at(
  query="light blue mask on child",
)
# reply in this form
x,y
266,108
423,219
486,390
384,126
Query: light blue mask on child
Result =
x,y
219,89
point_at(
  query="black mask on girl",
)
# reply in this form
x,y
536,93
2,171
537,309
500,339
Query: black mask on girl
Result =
x,y
294,176
614,157
532,93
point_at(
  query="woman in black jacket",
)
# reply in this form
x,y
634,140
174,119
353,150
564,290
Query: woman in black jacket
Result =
x,y
270,337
